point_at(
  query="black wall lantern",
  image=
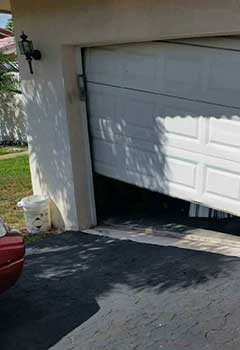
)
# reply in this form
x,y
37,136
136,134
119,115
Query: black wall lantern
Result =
x,y
26,48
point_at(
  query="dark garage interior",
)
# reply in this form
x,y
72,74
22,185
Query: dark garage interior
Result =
x,y
124,205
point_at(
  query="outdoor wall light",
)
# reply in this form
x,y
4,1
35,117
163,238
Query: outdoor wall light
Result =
x,y
26,48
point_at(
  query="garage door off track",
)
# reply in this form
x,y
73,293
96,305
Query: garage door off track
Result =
x,y
165,116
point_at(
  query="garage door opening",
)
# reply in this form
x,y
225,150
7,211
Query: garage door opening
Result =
x,y
123,206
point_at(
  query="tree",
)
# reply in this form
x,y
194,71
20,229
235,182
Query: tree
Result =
x,y
9,82
9,24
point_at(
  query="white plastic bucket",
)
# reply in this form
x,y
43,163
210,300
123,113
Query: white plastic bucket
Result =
x,y
36,212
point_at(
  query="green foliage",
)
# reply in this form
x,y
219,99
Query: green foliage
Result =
x,y
9,82
9,24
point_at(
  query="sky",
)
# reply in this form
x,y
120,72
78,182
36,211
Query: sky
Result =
x,y
3,20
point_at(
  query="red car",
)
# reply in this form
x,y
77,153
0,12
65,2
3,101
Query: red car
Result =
x,y
12,251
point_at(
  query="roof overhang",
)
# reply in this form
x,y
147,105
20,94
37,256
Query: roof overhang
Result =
x,y
5,6
7,45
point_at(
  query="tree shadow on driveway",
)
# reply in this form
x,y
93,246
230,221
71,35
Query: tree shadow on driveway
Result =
x,y
64,276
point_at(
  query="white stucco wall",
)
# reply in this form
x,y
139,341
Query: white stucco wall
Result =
x,y
51,101
5,6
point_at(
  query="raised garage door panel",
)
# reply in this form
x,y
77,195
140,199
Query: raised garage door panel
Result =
x,y
165,116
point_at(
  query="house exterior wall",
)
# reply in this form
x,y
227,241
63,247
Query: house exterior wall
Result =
x,y
51,100
5,6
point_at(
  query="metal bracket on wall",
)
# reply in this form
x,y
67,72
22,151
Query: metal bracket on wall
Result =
x,y
81,87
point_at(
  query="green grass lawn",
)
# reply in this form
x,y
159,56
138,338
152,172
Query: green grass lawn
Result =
x,y
15,183
11,149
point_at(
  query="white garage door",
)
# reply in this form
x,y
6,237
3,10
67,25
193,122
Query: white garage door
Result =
x,y
165,116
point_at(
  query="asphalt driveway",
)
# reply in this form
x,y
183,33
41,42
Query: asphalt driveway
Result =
x,y
88,292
